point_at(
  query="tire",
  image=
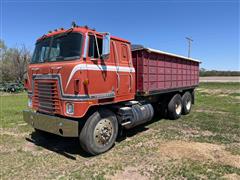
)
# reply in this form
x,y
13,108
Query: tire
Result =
x,y
175,107
99,133
187,103
13,90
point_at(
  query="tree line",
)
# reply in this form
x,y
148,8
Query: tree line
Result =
x,y
204,72
13,63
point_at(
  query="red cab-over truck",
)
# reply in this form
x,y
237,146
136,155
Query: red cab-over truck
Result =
x,y
87,84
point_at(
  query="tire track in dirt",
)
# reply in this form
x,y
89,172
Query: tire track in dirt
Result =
x,y
199,152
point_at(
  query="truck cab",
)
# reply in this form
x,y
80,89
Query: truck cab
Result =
x,y
72,70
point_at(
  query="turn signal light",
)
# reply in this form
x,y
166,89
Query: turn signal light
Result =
x,y
86,82
69,108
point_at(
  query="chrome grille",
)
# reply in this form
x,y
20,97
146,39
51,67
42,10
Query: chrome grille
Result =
x,y
46,96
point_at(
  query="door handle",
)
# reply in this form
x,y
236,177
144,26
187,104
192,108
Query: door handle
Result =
x,y
118,81
130,85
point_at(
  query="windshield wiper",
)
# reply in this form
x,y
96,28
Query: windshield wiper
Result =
x,y
59,58
56,58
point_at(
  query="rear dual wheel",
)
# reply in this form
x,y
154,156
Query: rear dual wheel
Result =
x,y
99,133
175,107
187,103
179,105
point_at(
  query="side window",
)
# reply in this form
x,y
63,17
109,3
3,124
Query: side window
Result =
x,y
124,53
93,45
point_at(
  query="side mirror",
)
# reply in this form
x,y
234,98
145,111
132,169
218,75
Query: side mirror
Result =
x,y
106,46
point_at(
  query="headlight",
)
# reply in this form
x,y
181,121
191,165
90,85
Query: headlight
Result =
x,y
69,108
29,102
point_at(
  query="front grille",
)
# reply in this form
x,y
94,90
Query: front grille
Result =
x,y
46,97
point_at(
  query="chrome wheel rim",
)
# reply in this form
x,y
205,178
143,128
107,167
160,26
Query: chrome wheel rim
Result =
x,y
178,108
103,132
188,105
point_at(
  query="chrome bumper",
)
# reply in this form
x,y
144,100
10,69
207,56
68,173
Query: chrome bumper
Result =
x,y
52,124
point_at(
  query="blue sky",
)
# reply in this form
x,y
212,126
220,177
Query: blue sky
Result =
x,y
214,25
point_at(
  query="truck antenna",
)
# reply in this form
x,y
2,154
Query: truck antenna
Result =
x,y
189,45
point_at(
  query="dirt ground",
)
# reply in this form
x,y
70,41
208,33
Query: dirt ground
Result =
x,y
220,79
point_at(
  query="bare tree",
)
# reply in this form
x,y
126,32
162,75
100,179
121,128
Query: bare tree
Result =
x,y
21,58
14,62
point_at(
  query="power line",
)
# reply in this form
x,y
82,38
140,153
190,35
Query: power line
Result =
x,y
189,45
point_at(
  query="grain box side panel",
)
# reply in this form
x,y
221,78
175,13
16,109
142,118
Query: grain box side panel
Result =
x,y
160,72
167,72
157,72
153,72
145,60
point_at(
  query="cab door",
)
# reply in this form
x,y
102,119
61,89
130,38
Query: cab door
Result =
x,y
99,72
123,74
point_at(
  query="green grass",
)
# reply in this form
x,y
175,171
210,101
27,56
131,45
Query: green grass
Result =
x,y
11,109
197,170
215,119
234,94
218,85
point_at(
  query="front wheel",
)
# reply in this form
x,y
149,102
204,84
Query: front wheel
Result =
x,y
99,132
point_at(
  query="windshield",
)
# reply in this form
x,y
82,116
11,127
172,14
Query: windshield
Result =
x,y
58,48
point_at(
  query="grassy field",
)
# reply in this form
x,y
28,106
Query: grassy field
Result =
x,y
202,145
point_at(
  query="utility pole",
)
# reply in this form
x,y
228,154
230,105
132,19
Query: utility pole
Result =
x,y
189,45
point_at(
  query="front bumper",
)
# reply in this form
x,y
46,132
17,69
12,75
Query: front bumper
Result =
x,y
52,124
